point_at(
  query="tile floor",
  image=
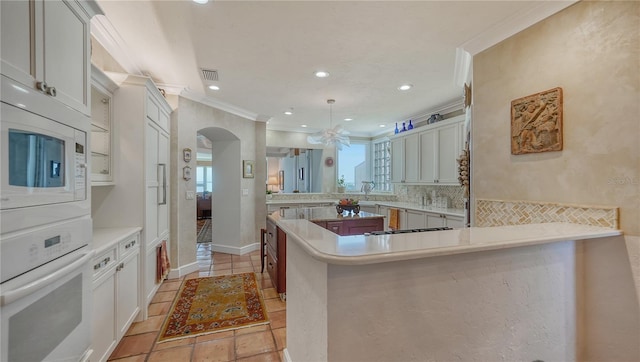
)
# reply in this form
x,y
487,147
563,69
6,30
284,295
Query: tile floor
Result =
x,y
260,343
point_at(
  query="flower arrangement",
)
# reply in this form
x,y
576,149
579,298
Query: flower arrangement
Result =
x,y
341,181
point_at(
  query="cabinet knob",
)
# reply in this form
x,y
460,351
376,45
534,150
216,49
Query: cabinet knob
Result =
x,y
51,91
41,86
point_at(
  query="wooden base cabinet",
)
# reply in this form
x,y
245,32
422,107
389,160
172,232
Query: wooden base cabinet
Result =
x,y
277,257
116,293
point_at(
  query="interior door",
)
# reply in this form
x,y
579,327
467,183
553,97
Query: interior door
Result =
x,y
163,183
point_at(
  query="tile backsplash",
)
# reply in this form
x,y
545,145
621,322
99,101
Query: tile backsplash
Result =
x,y
413,194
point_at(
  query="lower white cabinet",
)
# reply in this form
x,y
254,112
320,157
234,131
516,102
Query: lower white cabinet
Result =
x,y
116,293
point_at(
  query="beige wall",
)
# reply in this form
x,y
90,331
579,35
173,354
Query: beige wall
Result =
x,y
591,50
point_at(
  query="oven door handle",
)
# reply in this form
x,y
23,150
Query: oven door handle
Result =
x,y
13,295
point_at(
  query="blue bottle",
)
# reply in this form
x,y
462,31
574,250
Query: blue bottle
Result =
x,y
404,128
396,131
410,125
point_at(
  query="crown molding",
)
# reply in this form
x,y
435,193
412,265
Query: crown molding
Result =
x,y
106,34
216,103
539,11
172,88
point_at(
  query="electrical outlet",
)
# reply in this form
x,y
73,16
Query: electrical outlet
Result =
x,y
245,192
190,195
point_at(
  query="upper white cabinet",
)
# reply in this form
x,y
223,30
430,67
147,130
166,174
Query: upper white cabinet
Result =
x,y
102,88
405,158
429,155
45,45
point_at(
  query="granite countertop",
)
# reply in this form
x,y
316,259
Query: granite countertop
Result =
x,y
328,247
320,214
105,237
394,204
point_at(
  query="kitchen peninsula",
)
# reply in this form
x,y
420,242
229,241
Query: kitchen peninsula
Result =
x,y
494,293
344,223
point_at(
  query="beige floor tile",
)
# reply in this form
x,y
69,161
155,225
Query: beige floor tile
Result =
x,y
280,335
151,324
242,270
265,283
164,296
274,305
218,350
255,343
171,354
236,258
212,336
159,308
242,264
134,345
270,293
170,285
138,358
254,329
204,274
263,357
221,266
278,319
175,343
221,272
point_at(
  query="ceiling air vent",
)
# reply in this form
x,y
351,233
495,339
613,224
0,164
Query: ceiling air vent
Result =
x,y
208,74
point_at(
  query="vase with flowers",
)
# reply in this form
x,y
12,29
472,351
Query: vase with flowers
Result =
x,y
341,184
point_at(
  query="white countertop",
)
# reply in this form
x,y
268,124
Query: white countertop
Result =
x,y
105,237
328,247
394,204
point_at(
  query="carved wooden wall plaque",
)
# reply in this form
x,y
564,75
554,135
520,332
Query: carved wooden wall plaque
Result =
x,y
536,122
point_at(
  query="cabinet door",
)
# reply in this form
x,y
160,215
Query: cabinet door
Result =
x,y
104,338
429,154
19,39
454,222
128,304
415,219
448,152
335,227
163,183
152,137
101,137
435,221
397,160
66,53
411,158
384,211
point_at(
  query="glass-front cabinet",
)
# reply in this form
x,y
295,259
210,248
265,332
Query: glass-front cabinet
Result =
x,y
102,88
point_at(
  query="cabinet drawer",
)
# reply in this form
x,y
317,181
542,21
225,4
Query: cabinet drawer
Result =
x,y
128,245
104,262
272,236
272,266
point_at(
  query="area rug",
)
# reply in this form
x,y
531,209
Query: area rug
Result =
x,y
204,234
214,304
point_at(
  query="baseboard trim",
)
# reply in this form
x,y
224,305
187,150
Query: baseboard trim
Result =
x,y
285,354
234,250
183,270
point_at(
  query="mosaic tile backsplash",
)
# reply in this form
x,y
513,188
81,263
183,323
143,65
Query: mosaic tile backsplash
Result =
x,y
413,194
501,212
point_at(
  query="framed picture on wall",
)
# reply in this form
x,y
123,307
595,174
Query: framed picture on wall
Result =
x,y
247,169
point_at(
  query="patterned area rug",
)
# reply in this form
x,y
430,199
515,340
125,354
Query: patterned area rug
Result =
x,y
204,232
214,304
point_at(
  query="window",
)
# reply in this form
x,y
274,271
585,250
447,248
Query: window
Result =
x,y
353,164
204,179
382,165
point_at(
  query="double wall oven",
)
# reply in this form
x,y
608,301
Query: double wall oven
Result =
x,y
45,229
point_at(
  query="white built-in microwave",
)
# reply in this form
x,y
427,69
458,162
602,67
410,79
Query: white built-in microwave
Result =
x,y
43,159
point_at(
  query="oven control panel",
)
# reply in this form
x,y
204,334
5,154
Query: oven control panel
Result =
x,y
28,249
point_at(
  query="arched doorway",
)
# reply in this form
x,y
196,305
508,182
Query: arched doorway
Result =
x,y
218,155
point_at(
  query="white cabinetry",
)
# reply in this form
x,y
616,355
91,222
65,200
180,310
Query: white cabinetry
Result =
x,y
116,285
429,155
102,88
141,162
45,45
405,152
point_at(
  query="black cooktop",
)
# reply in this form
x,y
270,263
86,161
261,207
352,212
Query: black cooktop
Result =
x,y
419,230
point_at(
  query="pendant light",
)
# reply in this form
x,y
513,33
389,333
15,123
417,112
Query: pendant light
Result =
x,y
331,136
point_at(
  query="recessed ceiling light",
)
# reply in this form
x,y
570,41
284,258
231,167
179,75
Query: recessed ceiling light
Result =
x,y
348,119
303,125
383,125
214,87
405,87
288,113
201,2
321,74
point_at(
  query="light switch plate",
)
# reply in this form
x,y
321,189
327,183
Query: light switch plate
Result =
x,y
245,192
190,195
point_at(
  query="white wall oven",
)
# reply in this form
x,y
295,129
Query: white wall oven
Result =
x,y
43,174
45,293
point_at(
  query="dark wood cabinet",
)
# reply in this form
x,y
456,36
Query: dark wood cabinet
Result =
x,y
352,226
277,256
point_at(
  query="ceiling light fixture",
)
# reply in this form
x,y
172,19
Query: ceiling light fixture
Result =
x,y
405,87
303,125
214,87
383,125
289,112
331,136
201,2
321,74
348,119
